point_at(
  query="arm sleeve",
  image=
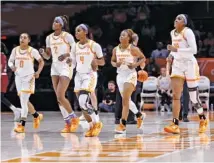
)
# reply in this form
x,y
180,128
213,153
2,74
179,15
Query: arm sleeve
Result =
x,y
36,54
98,50
47,41
12,58
190,37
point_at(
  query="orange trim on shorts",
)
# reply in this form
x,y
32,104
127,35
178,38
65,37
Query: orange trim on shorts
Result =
x,y
177,76
192,80
88,90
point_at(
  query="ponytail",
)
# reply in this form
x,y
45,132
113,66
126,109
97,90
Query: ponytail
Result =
x,y
65,19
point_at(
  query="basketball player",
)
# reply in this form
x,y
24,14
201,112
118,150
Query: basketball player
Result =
x,y
88,57
184,67
59,44
4,84
21,62
125,57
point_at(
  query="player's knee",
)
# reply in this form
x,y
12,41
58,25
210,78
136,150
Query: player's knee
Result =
x,y
60,98
83,98
176,96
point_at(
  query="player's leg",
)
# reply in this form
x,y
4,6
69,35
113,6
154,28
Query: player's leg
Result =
x,y
128,88
16,111
177,88
60,93
55,81
192,76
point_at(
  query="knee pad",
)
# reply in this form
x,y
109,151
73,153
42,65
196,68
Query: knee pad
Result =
x,y
193,89
83,98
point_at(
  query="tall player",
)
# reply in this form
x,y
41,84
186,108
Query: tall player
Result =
x,y
88,56
4,84
125,57
58,45
184,67
21,62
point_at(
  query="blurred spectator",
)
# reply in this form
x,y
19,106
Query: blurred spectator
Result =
x,y
209,41
119,16
202,50
97,32
160,52
211,51
109,98
148,30
164,89
152,68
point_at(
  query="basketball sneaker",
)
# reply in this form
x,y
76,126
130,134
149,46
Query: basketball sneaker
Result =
x,y
172,128
74,124
19,128
203,125
120,129
89,132
66,128
140,120
36,121
97,128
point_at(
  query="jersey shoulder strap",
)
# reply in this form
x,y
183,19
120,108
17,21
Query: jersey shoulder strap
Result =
x,y
91,43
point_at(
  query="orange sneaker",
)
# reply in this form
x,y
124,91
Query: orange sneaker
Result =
x,y
36,121
203,125
97,128
66,128
120,129
74,124
140,120
19,128
89,132
172,128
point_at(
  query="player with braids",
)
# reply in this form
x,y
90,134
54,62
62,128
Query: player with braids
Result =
x,y
59,45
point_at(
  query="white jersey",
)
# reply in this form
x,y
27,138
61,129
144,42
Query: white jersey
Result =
x,y
60,44
185,44
84,54
126,58
23,60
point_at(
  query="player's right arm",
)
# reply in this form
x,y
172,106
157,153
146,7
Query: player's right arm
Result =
x,y
114,59
11,61
46,53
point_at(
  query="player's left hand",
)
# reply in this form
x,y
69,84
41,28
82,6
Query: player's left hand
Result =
x,y
132,65
37,75
62,57
172,48
94,64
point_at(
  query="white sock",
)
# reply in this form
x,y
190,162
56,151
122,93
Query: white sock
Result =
x,y
13,108
63,111
133,107
194,97
24,98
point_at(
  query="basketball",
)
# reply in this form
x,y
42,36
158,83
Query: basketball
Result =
x,y
142,75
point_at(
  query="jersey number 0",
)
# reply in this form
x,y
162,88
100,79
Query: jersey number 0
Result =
x,y
21,64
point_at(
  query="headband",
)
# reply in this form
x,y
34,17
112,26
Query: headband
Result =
x,y
184,17
83,26
59,19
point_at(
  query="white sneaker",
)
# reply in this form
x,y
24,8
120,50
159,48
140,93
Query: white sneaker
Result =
x,y
162,109
82,118
17,114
